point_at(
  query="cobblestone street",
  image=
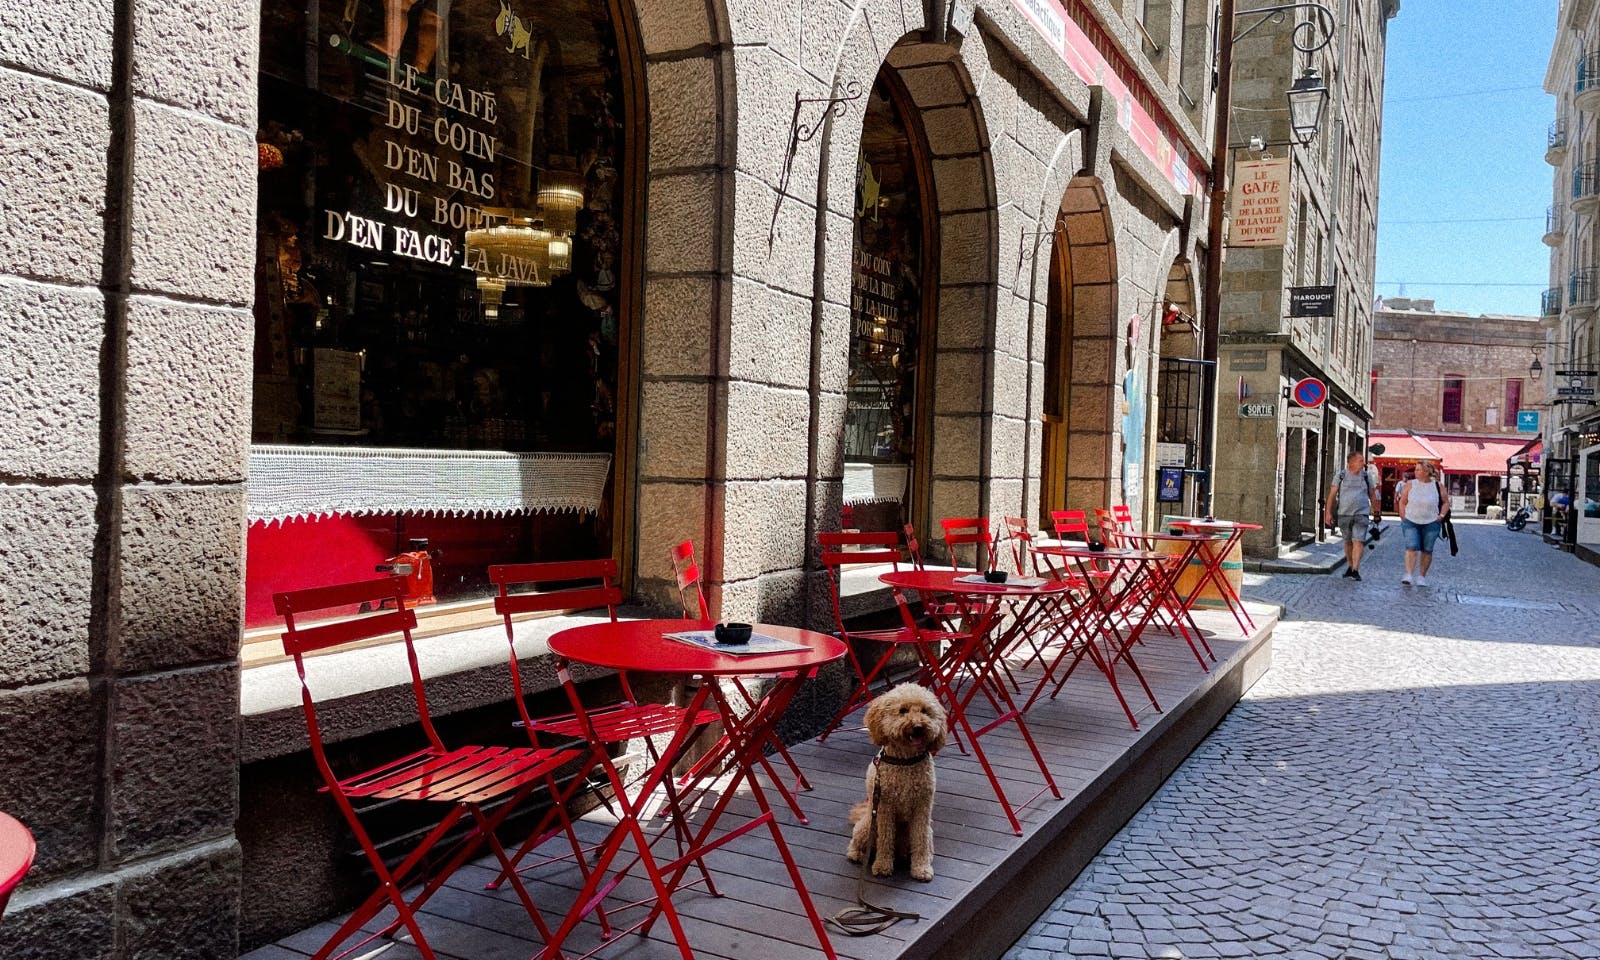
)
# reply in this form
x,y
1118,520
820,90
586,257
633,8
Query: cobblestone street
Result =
x,y
1414,777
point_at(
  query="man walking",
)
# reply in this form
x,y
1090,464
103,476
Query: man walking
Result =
x,y
1351,501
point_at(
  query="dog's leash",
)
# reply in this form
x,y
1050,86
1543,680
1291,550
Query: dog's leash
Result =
x,y
867,918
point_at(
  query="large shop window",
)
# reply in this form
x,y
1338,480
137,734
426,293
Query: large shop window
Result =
x,y
889,276
440,300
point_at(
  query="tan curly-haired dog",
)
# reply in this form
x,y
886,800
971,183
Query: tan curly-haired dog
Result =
x,y
908,724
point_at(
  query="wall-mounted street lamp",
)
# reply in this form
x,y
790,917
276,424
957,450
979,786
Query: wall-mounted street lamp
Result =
x,y
1308,98
1535,369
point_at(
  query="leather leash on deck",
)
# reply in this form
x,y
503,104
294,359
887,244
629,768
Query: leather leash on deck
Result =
x,y
867,918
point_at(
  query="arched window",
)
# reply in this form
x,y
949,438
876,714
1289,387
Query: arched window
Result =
x,y
891,287
442,283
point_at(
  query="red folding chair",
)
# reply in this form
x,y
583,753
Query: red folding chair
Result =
x,y
618,723
964,531
840,550
1021,540
913,547
1123,517
461,779
688,577
1106,523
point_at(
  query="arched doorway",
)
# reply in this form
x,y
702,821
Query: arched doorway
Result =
x,y
894,279
1080,357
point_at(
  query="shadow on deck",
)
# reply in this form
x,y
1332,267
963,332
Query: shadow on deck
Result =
x,y
990,883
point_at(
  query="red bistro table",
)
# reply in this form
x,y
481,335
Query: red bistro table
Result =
x,y
1107,624
972,663
641,646
16,856
1224,534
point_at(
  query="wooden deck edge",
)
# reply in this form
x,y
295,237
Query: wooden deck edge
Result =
x,y
1000,908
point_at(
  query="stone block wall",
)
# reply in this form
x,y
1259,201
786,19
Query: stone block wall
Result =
x,y
1414,352
127,244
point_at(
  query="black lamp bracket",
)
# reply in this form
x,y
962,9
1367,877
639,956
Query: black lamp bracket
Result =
x,y
1307,36
836,105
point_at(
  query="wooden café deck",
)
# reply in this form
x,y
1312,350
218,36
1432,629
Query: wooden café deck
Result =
x,y
990,885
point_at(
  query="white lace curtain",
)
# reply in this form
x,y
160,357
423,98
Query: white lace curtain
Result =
x,y
290,482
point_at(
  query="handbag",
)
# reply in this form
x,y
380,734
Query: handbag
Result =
x,y
1447,526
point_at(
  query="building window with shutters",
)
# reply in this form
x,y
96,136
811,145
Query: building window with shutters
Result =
x,y
1513,399
1451,412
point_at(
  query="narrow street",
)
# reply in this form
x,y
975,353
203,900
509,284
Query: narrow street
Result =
x,y
1414,777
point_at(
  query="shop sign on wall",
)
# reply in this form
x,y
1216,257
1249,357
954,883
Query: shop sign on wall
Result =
x,y
1303,418
1258,211
1258,411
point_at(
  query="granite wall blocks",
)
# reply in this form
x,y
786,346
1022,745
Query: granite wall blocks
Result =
x,y
685,126
46,544
67,921
175,760
80,55
52,731
182,575
199,56
53,145
51,387
188,391
194,206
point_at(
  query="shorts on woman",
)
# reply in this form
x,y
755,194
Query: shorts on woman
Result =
x,y
1420,536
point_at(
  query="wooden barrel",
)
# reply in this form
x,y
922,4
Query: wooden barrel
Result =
x,y
1232,566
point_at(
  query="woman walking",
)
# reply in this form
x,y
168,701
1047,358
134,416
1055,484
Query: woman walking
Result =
x,y
1423,507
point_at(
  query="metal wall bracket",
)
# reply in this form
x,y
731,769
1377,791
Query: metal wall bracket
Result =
x,y
836,105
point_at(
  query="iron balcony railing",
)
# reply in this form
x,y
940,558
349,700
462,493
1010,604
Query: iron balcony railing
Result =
x,y
1588,73
1550,302
1557,137
1585,180
1583,286
1552,220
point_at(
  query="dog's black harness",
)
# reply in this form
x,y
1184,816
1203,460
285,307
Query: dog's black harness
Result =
x,y
868,918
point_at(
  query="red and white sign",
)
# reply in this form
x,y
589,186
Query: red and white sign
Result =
x,y
1153,136
1309,392
1258,212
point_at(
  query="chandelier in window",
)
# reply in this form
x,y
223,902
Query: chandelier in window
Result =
x,y
521,248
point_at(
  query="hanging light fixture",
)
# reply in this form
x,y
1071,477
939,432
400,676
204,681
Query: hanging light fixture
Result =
x,y
1535,369
1308,98
515,253
560,197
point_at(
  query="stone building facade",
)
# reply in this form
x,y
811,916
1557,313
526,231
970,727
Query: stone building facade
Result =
x,y
1568,307
1277,467
1445,372
155,744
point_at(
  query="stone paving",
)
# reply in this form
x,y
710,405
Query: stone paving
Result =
x,y
1415,777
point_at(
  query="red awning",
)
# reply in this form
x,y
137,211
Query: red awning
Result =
x,y
1402,446
1467,454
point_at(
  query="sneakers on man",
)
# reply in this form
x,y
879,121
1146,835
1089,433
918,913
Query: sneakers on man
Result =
x,y
1421,580
1406,579
1347,573
1355,575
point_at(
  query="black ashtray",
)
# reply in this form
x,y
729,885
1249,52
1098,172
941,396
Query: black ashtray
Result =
x,y
1095,546
732,633
995,576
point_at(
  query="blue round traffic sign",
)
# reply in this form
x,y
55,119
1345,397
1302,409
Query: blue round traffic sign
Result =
x,y
1310,392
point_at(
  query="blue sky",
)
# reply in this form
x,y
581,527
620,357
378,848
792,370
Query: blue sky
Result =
x,y
1448,155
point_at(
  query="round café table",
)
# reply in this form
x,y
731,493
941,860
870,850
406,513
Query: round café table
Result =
x,y
1115,611
973,663
643,646
16,856
1224,536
